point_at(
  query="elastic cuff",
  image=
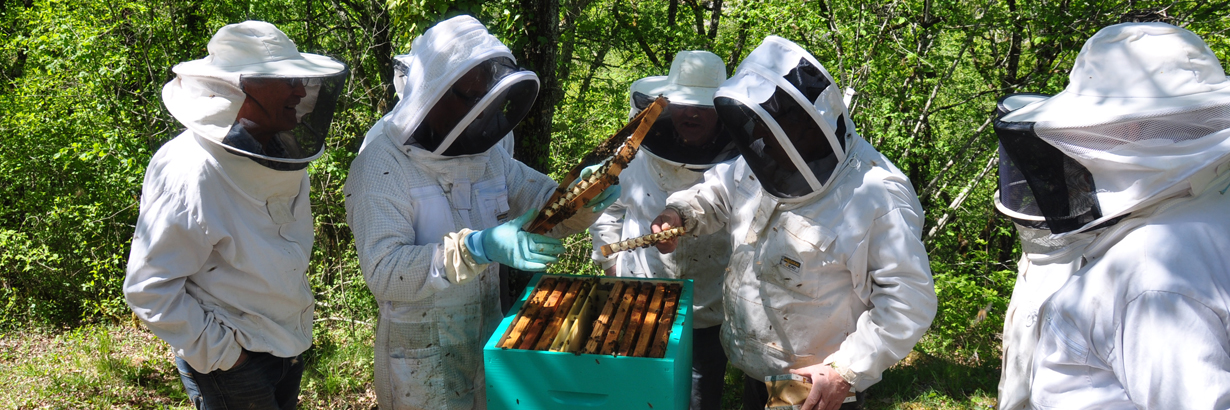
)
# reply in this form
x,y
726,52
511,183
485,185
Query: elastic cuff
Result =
x,y
683,217
474,246
846,374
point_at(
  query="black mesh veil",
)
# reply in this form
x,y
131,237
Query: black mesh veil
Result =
x,y
479,109
687,134
284,120
1037,179
781,137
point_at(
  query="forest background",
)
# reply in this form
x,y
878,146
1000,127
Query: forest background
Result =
x,y
81,114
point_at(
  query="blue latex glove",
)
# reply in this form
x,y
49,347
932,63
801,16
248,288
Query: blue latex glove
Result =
x,y
512,246
604,199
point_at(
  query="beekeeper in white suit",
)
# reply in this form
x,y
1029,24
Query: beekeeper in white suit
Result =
x,y
828,277
222,243
686,139
1047,261
1135,145
434,204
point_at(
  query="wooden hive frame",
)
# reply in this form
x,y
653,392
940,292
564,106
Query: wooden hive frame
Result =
x,y
628,342
544,314
642,241
661,337
527,313
561,312
651,320
562,315
614,155
603,323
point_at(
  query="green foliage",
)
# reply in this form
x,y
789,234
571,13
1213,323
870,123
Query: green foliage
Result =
x,y
75,151
81,114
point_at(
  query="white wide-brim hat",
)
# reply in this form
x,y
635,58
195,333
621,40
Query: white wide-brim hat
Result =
x,y
257,48
1133,70
693,79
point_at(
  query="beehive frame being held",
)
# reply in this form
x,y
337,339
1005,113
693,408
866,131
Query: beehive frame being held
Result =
x,y
642,241
614,155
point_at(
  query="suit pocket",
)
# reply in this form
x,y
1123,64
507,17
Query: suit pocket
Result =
x,y
433,216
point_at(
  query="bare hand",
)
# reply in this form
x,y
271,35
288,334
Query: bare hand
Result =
x,y
609,271
668,219
828,389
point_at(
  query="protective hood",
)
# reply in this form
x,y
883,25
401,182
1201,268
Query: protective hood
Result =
x,y
787,118
687,135
461,90
1118,140
1015,198
687,132
257,96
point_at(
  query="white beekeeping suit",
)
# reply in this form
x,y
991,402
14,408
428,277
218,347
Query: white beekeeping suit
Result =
x,y
430,175
1136,145
221,247
1046,264
828,270
1047,261
685,140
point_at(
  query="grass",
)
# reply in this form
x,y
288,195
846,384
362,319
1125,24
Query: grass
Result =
x,y
124,366
89,367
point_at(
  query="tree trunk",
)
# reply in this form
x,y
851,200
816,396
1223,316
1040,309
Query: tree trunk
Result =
x,y
1011,76
713,21
539,54
698,15
382,45
672,9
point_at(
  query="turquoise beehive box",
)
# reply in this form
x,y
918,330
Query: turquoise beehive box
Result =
x,y
534,379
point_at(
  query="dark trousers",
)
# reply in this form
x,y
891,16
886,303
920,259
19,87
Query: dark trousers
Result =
x,y
264,381
756,395
708,368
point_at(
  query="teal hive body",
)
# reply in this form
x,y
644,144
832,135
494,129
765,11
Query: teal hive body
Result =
x,y
530,379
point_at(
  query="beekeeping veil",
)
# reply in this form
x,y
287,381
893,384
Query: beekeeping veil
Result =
x,y
461,90
1014,198
687,132
257,96
1144,118
787,118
